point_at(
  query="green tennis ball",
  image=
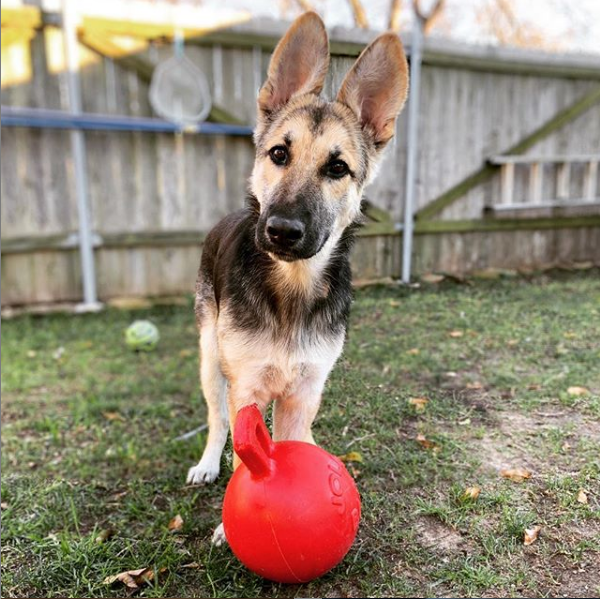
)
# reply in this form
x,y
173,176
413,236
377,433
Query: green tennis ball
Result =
x,y
142,335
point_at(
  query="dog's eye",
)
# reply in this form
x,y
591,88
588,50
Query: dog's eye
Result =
x,y
337,169
279,155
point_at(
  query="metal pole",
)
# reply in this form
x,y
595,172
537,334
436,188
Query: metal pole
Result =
x,y
413,146
86,249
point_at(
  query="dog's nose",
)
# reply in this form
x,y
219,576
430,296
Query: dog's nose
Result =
x,y
284,232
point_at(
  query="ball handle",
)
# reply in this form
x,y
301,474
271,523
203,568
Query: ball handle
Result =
x,y
252,442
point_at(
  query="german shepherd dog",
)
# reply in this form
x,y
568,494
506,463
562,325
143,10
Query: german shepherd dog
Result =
x,y
274,286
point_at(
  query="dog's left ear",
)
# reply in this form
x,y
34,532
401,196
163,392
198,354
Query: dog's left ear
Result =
x,y
298,66
376,87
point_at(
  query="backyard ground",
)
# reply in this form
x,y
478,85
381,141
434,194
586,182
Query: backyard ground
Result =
x,y
439,390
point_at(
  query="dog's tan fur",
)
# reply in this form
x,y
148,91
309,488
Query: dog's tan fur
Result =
x,y
280,358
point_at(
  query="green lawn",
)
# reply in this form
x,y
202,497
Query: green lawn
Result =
x,y
92,475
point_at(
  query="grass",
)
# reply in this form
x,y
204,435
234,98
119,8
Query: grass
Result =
x,y
92,473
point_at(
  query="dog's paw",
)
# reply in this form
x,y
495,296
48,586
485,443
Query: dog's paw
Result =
x,y
202,473
219,537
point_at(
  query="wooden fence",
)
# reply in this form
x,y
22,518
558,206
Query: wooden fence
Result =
x,y
155,195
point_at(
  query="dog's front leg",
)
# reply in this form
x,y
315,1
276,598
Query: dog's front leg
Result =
x,y
293,415
237,399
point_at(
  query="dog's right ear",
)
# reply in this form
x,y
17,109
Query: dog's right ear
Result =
x,y
298,65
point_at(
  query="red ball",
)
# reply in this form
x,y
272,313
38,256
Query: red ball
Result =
x,y
291,509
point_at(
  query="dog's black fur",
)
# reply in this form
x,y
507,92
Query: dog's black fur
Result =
x,y
236,270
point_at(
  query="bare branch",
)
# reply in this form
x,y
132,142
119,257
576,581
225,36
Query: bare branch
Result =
x,y
360,17
305,5
430,19
395,14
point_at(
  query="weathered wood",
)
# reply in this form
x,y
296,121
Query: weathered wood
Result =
x,y
590,181
556,209
487,171
535,182
563,159
523,224
154,196
507,177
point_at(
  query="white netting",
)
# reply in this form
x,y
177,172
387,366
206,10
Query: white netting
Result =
x,y
179,90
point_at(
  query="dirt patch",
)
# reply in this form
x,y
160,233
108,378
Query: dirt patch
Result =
x,y
508,442
433,534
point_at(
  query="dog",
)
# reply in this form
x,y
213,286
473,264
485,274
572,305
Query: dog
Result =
x,y
273,292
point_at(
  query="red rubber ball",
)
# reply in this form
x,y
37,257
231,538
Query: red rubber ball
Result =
x,y
291,510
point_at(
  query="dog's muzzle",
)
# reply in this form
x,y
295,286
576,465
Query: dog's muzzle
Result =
x,y
284,233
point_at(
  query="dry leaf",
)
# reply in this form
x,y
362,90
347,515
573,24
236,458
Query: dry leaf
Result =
x,y
191,566
578,391
517,475
424,442
4,505
419,403
582,496
512,342
455,334
534,387
132,579
113,416
432,278
355,472
352,456
472,492
176,523
186,353
531,535
415,351
474,386
31,353
570,335
104,535
394,303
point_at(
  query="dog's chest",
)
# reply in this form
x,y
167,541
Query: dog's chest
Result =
x,y
272,368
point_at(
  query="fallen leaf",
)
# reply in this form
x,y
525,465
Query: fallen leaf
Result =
x,y
31,353
191,566
118,496
472,492
424,442
432,278
355,472
534,387
4,505
58,353
104,535
132,579
512,342
186,353
566,446
419,403
129,303
352,456
517,475
394,303
176,523
578,391
582,496
569,335
415,351
455,334
113,416
531,535
474,386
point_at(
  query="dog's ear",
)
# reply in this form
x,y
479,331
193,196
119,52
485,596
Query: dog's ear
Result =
x,y
376,86
298,65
